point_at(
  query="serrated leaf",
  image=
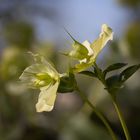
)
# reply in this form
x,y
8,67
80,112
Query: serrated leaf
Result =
x,y
128,72
88,73
67,84
114,67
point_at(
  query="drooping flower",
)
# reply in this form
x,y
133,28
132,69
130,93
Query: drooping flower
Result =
x,y
87,53
42,75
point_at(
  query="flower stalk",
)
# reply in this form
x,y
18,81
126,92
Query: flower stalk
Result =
x,y
98,113
122,121
112,94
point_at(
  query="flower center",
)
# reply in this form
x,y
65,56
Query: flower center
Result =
x,y
42,79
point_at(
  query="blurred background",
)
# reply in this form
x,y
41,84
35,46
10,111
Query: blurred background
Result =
x,y
37,26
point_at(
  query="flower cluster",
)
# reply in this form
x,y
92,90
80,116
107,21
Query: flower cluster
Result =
x,y
42,75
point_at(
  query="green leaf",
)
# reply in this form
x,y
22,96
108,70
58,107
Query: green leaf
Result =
x,y
113,83
114,67
67,84
88,73
128,72
113,80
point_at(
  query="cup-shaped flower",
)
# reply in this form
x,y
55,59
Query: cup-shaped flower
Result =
x,y
42,75
87,53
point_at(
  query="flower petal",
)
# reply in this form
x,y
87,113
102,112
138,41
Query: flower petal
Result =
x,y
104,37
39,59
87,45
47,98
31,75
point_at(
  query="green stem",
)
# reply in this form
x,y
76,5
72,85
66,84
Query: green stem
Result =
x,y
99,114
120,115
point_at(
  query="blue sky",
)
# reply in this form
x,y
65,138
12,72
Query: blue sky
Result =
x,y
83,18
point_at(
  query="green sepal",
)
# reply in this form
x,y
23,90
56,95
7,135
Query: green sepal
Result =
x,y
128,72
79,50
67,83
80,67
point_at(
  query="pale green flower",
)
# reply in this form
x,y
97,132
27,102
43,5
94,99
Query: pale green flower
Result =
x,y
86,53
42,75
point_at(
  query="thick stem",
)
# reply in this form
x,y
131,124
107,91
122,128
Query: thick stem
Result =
x,y
99,114
120,115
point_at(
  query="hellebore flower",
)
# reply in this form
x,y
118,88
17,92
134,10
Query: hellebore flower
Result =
x,y
86,53
42,75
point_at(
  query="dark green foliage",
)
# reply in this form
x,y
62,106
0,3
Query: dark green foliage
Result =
x,y
67,84
113,67
132,37
130,3
128,72
115,82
